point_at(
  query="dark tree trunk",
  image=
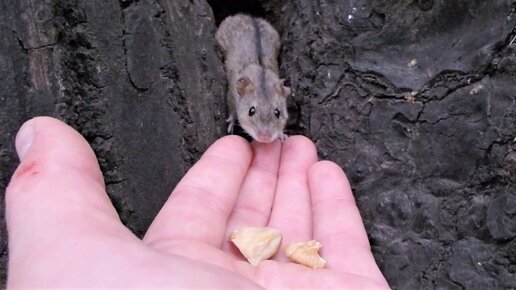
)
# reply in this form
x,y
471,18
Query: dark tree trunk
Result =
x,y
416,100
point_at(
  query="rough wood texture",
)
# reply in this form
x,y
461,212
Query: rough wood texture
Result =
x,y
414,99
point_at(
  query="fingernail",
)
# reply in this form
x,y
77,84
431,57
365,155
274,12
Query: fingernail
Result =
x,y
25,138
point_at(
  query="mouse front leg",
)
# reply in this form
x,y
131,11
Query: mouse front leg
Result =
x,y
282,137
232,111
231,123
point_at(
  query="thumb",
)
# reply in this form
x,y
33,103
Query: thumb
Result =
x,y
57,190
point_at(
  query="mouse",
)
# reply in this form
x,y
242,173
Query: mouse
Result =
x,y
256,96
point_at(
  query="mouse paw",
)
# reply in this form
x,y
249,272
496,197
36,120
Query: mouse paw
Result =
x,y
283,137
231,124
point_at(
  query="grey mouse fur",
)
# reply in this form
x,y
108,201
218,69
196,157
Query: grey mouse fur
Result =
x,y
256,95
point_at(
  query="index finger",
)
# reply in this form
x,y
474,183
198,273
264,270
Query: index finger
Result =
x,y
199,207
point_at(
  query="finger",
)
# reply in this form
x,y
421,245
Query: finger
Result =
x,y
253,206
337,223
57,190
199,207
292,212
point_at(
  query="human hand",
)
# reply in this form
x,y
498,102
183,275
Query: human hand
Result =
x,y
64,231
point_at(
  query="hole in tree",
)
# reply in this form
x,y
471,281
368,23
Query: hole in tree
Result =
x,y
224,8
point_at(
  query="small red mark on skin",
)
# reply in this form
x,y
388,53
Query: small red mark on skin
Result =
x,y
29,168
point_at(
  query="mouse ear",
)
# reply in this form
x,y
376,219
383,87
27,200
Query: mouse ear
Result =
x,y
244,86
281,89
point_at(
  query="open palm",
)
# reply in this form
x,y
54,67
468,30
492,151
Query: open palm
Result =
x,y
64,231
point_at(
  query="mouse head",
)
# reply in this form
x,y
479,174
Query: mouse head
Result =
x,y
262,106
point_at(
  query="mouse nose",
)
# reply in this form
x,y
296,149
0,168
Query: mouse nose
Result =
x,y
264,135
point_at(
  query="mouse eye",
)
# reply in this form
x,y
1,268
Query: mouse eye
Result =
x,y
252,111
277,113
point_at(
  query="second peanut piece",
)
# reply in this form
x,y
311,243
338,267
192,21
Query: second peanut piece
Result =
x,y
306,253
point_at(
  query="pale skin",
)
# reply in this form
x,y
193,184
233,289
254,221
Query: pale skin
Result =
x,y
64,232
